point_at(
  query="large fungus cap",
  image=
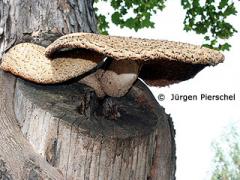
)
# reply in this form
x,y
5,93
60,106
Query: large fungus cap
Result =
x,y
28,61
163,62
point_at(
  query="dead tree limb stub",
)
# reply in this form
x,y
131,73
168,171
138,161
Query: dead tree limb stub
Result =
x,y
114,138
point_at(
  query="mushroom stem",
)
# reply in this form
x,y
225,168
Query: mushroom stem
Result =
x,y
119,77
89,78
93,82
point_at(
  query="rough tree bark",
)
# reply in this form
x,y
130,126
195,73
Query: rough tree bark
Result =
x,y
64,131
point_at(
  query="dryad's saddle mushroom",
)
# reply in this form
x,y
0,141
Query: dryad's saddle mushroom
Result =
x,y
157,62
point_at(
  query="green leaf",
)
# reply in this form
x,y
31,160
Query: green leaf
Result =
x,y
103,25
200,28
130,23
207,38
116,18
213,42
186,4
147,23
231,10
223,3
123,10
116,4
195,3
224,47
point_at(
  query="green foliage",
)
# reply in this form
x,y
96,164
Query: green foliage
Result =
x,y
141,16
133,14
209,18
227,156
103,25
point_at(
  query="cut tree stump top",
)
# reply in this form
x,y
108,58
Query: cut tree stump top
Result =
x,y
133,115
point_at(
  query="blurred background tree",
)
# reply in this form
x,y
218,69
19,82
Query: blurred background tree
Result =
x,y
209,18
226,163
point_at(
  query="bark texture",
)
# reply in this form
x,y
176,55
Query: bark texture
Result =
x,y
18,160
27,20
64,131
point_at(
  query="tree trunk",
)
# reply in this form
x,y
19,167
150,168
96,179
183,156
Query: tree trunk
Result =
x,y
64,131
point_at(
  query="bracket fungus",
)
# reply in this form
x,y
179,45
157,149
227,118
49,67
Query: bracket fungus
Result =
x,y
157,62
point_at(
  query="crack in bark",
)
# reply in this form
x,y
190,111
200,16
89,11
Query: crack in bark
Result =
x,y
4,173
70,144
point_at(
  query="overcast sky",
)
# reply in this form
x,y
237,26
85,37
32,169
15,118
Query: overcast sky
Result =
x,y
197,123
